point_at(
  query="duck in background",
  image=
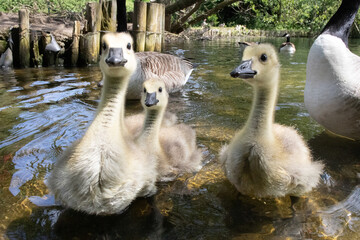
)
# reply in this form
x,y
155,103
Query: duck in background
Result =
x,y
265,159
332,89
287,46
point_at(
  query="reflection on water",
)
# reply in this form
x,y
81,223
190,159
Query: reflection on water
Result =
x,y
42,111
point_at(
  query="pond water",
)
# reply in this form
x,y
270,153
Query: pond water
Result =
x,y
42,111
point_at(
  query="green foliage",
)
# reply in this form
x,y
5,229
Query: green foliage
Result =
x,y
213,20
43,5
310,15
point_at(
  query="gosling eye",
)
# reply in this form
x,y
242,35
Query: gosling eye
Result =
x,y
160,89
144,90
104,46
128,46
263,57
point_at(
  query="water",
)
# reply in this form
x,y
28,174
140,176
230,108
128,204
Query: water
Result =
x,y
42,111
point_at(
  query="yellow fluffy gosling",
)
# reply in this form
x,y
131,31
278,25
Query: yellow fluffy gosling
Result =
x,y
265,159
106,170
173,144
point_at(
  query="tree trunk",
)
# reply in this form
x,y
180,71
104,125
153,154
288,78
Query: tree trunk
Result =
x,y
178,26
121,16
212,11
179,5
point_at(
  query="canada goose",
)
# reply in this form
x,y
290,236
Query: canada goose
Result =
x,y
265,159
105,170
332,86
6,59
287,46
173,70
173,144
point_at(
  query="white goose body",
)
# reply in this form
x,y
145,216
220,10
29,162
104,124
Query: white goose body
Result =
x,y
265,159
172,70
106,170
332,90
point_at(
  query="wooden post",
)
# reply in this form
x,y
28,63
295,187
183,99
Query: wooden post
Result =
x,y
75,44
108,20
93,16
139,25
168,22
160,27
89,48
152,19
24,43
36,58
90,42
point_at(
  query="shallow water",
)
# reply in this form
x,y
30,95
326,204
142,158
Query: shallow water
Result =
x,y
42,111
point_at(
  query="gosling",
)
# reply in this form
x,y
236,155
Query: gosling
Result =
x,y
173,144
265,159
106,170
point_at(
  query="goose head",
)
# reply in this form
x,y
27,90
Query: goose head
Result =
x,y
259,66
154,95
118,57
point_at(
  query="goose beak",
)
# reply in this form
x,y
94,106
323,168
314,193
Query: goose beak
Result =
x,y
151,99
243,70
116,57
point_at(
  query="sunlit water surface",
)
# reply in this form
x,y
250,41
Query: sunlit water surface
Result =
x,y
42,111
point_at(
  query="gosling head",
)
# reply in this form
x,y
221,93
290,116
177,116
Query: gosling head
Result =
x,y
259,66
154,95
117,57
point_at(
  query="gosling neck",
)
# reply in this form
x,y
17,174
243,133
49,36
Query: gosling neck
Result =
x,y
261,117
112,103
152,125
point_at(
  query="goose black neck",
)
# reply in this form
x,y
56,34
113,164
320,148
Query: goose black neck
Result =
x,y
288,39
340,23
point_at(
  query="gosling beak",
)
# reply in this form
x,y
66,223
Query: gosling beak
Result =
x,y
243,70
150,99
116,57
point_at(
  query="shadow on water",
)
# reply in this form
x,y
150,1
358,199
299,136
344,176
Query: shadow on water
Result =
x,y
43,111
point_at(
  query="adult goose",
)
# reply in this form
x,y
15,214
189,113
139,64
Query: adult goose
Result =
x,y
106,170
172,70
265,159
287,46
332,89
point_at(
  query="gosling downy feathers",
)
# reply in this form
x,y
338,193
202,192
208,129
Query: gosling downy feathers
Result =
x,y
173,144
105,170
265,159
332,89
287,46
